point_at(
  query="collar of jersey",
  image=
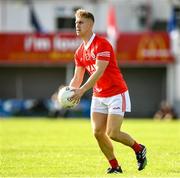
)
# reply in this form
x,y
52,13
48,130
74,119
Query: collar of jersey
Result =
x,y
89,42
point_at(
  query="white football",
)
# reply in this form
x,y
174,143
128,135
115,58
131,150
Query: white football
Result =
x,y
63,97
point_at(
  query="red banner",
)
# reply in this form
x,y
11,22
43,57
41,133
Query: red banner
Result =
x,y
59,48
37,48
140,48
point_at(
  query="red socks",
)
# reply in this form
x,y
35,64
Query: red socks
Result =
x,y
136,147
114,163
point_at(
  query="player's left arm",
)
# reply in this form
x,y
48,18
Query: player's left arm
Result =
x,y
101,66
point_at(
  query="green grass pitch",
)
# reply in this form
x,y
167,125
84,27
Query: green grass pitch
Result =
x,y
67,148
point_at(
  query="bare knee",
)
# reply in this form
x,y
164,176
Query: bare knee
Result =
x,y
114,134
98,133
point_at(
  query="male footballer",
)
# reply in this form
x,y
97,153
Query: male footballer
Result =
x,y
110,98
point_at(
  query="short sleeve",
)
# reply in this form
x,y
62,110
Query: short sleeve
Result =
x,y
104,50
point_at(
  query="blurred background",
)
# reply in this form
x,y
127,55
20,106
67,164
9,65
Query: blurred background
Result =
x,y
38,41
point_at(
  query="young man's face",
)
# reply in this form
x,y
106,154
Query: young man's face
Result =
x,y
83,26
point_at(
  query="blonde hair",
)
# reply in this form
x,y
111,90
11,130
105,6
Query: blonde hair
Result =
x,y
85,14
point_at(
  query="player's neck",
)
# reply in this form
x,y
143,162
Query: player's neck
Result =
x,y
87,38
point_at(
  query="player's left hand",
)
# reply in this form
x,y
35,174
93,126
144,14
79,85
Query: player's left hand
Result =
x,y
78,93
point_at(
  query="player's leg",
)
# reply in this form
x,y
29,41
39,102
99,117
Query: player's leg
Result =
x,y
99,121
117,105
114,131
114,123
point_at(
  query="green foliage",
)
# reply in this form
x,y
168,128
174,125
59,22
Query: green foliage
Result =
x,y
67,148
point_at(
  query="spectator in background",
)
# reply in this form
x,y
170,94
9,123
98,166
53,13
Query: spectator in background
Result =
x,y
56,109
165,112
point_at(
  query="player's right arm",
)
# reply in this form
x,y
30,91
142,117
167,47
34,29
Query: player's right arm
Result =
x,y
78,77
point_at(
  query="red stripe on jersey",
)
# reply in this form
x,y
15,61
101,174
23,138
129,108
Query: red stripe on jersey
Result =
x,y
123,102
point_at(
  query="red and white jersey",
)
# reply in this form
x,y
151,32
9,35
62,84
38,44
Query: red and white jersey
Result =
x,y
111,82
